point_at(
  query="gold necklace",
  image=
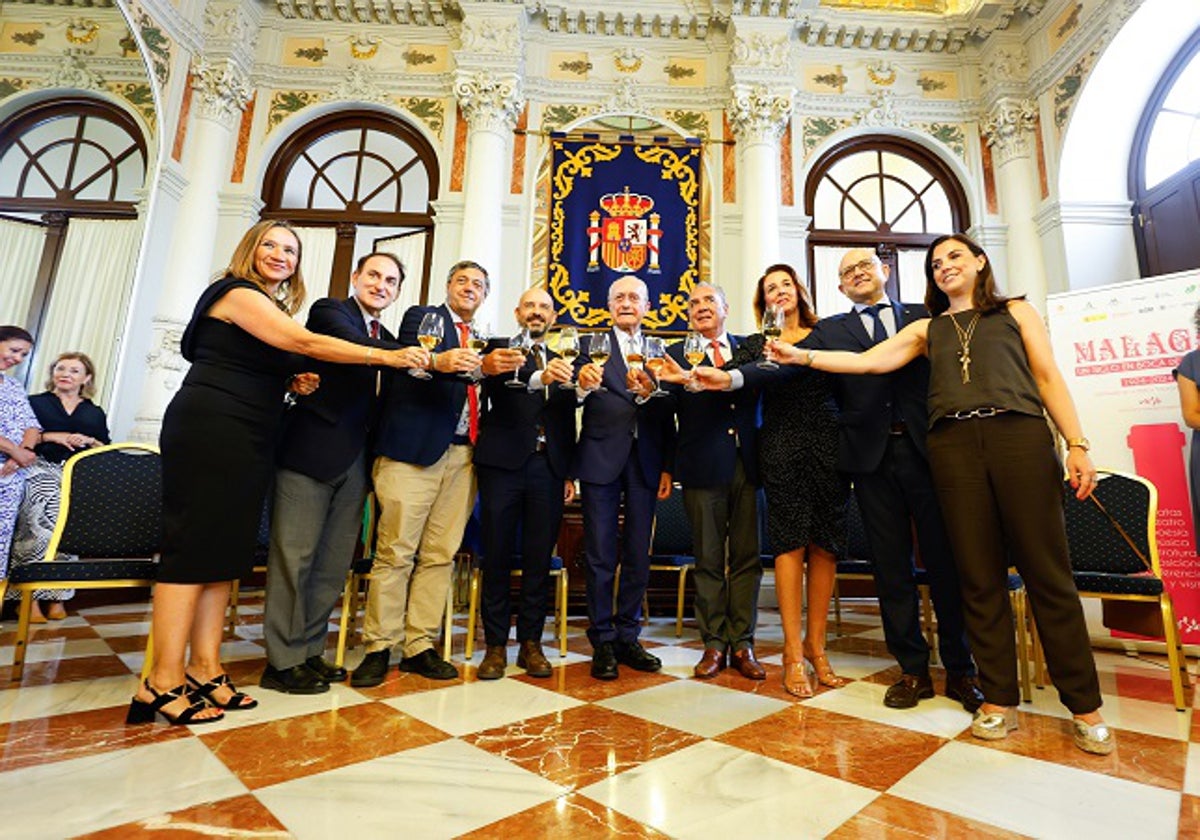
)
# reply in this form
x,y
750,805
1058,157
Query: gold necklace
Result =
x,y
964,341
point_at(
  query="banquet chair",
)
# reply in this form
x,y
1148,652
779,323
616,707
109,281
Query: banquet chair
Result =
x,y
358,577
110,518
558,571
671,549
1114,554
262,548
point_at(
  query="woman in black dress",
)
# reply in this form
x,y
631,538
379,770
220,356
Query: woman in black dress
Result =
x,y
218,440
70,422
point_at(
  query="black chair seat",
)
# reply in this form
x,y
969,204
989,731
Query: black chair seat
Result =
x,y
672,560
60,570
1118,584
855,567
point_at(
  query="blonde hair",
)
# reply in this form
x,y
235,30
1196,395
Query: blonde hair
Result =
x,y
88,389
290,294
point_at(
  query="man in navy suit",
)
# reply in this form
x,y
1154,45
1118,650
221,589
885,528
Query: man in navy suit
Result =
x,y
425,485
623,456
522,460
716,462
883,420
322,482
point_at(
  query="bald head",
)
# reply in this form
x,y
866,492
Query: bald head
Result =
x,y
535,311
861,276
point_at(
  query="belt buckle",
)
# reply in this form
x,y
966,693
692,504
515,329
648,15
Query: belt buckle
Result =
x,y
990,411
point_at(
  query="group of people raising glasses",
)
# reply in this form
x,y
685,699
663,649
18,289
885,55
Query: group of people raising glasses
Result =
x,y
960,448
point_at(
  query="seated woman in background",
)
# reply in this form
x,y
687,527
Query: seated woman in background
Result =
x,y
18,434
70,422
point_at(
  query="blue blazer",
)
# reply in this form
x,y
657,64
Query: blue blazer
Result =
x,y
420,415
715,427
609,420
327,430
865,401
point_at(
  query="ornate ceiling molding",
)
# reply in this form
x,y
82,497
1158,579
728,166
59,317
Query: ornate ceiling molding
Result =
x,y
417,13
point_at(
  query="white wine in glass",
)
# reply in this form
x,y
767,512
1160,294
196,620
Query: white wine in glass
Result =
x,y
568,348
477,342
693,351
429,335
772,329
656,351
635,355
598,352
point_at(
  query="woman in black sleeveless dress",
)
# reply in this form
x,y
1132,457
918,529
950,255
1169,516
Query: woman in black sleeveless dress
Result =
x,y
997,474
218,441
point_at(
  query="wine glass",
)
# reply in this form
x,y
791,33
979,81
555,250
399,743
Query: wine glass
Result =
x,y
568,348
477,341
598,352
693,352
429,336
521,343
772,329
655,351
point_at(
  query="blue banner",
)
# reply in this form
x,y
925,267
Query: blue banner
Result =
x,y
623,208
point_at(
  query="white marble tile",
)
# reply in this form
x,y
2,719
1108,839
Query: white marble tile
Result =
x,y
1148,716
696,707
241,649
677,661
711,790
54,649
66,798
936,716
440,790
662,630
1039,798
62,698
117,609
275,705
1191,779
123,629
852,665
475,706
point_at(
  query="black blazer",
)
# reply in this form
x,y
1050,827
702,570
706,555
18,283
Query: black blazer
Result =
x,y
865,401
609,420
712,424
327,429
511,417
420,415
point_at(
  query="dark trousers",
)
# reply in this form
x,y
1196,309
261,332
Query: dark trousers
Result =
x,y
1000,484
520,511
601,510
726,601
314,529
894,498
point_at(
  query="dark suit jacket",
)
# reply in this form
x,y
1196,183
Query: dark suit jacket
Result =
x,y
511,417
420,415
864,401
327,430
712,424
609,420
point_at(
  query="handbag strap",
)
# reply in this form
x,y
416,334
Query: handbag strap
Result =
x,y
1132,545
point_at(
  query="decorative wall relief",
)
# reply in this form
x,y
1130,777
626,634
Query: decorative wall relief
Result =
x,y
554,117
140,96
938,84
10,86
814,130
425,58
287,102
881,73
628,60
1063,26
685,72
432,112
364,47
948,134
694,123
82,31
158,44
825,79
20,37
1068,88
303,52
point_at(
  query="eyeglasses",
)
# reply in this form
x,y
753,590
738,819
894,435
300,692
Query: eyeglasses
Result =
x,y
851,270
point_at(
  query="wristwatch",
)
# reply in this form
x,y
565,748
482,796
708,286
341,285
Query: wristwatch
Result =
x,y
1080,442
811,354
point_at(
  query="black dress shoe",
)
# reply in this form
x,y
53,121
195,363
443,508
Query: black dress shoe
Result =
x,y
909,689
965,689
371,670
604,662
299,679
633,655
327,672
429,665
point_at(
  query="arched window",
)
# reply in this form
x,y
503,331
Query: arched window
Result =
x,y
1164,170
370,177
884,193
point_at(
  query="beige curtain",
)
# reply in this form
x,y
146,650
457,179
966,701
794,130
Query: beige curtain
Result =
x,y
410,248
316,244
20,253
89,298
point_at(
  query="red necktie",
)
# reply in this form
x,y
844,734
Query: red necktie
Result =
x,y
717,359
374,328
464,334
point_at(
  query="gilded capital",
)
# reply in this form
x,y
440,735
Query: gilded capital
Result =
x,y
1008,129
758,113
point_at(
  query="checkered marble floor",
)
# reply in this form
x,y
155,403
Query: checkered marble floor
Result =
x,y
648,755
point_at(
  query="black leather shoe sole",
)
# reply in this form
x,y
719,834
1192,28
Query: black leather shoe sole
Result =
x,y
297,680
327,672
371,671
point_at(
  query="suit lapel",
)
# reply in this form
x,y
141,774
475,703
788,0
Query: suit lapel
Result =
x,y
854,326
616,366
449,329
356,317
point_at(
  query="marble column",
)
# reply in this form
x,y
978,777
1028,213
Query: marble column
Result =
x,y
490,102
1009,131
758,115
219,93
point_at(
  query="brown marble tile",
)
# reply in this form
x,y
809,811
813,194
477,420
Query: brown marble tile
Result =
x,y
398,683
772,686
127,644
579,746
859,645
26,743
65,670
281,750
1189,816
137,612
836,745
241,816
892,818
1147,759
51,631
571,816
1140,685
576,681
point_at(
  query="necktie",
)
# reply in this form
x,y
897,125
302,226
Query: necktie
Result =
x,y
717,359
464,333
880,332
374,328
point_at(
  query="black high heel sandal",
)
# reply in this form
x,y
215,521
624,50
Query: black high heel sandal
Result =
x,y
204,691
142,712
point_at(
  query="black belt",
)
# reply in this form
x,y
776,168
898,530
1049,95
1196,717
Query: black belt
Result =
x,y
898,428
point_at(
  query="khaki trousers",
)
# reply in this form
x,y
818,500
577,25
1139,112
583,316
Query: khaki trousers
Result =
x,y
423,513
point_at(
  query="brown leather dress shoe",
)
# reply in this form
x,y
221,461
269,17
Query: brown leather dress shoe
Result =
x,y
747,665
531,658
493,664
906,691
710,664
